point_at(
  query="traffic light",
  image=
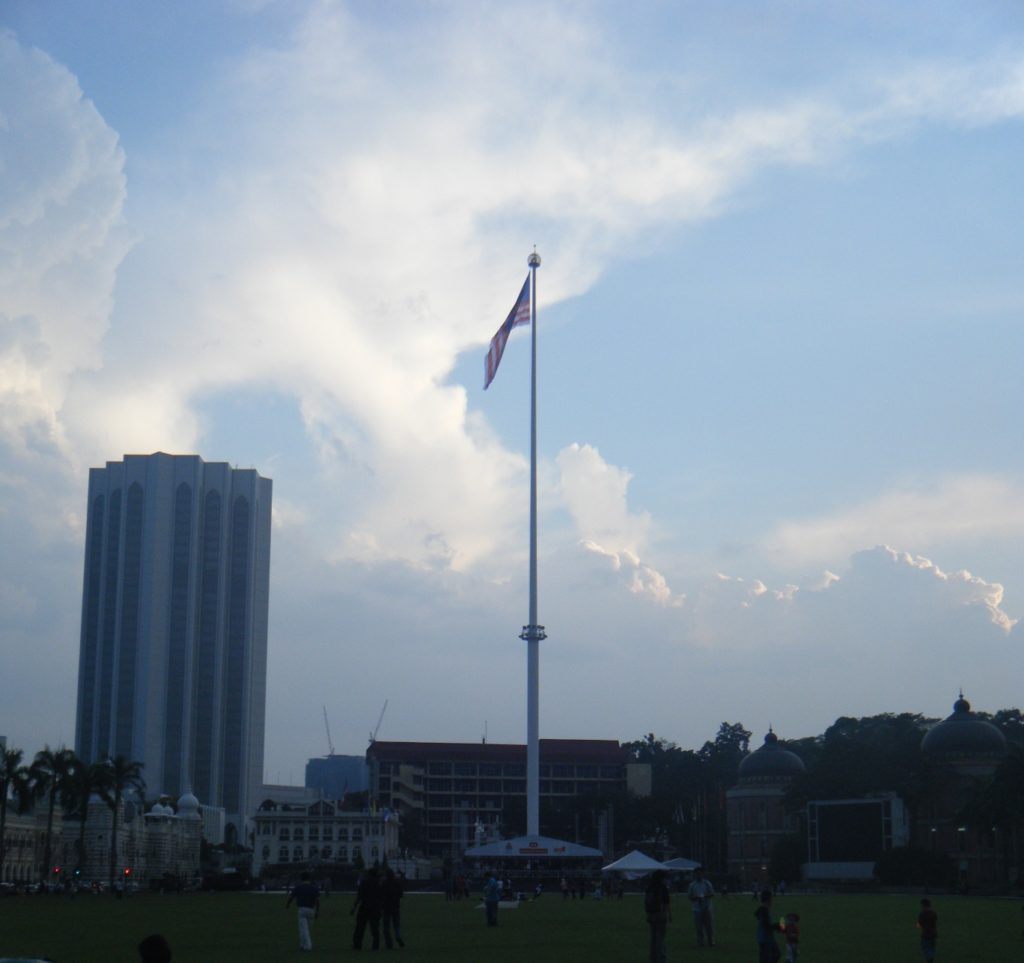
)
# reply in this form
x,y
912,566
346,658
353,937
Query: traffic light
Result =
x,y
78,871
127,871
56,871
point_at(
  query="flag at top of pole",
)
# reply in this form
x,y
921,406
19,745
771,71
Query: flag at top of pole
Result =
x,y
520,314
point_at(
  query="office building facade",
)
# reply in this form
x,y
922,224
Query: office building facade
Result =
x,y
336,776
461,793
173,650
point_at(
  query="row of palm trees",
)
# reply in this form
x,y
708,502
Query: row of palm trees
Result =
x,y
58,776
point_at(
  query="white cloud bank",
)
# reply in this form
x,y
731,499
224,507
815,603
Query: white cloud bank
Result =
x,y
949,511
62,237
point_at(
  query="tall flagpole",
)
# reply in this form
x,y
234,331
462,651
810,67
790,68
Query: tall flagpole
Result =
x,y
533,633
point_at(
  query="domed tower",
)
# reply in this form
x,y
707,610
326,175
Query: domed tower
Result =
x,y
756,815
770,764
964,750
965,741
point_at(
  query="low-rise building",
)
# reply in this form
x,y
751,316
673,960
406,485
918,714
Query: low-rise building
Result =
x,y
463,794
321,834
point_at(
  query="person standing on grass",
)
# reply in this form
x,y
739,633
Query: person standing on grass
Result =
x,y
367,907
492,895
700,892
928,924
658,910
307,897
791,927
767,948
393,891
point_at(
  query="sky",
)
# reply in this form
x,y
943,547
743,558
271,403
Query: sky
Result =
x,y
780,325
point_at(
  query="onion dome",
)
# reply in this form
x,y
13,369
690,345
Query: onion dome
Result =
x,y
770,763
964,735
188,806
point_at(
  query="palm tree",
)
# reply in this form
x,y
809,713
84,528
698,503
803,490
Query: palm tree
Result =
x,y
119,775
13,778
50,775
87,778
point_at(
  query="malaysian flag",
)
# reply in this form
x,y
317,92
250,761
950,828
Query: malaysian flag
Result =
x,y
520,314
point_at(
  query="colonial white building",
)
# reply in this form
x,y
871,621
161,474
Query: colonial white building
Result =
x,y
321,834
150,845
25,845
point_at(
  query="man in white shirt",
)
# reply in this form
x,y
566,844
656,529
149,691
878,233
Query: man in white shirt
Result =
x,y
701,893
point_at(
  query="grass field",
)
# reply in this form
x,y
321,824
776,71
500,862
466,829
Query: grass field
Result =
x,y
252,928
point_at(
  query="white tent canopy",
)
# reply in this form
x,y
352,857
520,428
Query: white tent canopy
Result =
x,y
633,864
682,864
532,847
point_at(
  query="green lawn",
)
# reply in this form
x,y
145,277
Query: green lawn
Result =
x,y
251,928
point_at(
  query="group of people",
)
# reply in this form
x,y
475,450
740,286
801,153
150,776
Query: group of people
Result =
x,y
658,909
377,906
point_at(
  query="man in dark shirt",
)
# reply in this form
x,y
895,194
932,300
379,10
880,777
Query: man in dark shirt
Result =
x,y
367,907
767,948
392,906
928,924
658,910
307,897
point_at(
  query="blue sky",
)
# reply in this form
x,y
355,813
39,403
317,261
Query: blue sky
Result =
x,y
780,331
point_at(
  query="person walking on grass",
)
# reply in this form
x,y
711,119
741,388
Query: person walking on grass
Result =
x,y
367,909
767,948
307,897
658,910
928,924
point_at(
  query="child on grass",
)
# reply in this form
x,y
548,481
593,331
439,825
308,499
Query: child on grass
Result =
x,y
792,931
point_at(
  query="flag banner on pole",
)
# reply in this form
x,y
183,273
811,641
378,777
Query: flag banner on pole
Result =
x,y
520,314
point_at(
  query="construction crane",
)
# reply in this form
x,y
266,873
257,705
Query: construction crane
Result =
x,y
380,719
327,726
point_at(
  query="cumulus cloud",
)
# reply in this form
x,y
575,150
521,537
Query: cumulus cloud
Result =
x,y
62,237
885,597
950,510
348,241
594,492
315,252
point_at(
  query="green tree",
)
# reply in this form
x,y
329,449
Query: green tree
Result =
x,y
51,776
13,782
119,776
720,760
857,757
668,815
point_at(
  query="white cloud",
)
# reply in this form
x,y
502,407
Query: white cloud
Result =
x,y
336,226
595,492
62,237
956,509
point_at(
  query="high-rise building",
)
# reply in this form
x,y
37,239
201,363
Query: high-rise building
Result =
x,y
335,775
173,659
